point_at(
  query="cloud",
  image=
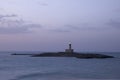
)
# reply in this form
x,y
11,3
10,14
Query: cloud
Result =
x,y
3,16
13,30
84,27
1,9
15,26
71,27
66,28
117,10
42,3
114,24
80,27
60,30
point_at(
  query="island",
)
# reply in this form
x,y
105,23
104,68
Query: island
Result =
x,y
69,53
76,55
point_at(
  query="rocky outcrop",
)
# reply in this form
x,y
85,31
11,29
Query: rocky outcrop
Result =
x,y
77,55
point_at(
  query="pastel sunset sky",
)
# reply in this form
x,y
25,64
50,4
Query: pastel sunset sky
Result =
x,y
50,25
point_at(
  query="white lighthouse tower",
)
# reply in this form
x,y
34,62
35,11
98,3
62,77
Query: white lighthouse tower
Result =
x,y
70,50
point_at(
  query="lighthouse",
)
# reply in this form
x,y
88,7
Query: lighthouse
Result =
x,y
70,50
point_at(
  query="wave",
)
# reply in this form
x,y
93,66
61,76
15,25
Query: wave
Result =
x,y
53,76
47,76
3,68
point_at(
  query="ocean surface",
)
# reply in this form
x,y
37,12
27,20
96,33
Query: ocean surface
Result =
x,y
14,67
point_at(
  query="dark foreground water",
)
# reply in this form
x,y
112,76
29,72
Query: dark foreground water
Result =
x,y
37,68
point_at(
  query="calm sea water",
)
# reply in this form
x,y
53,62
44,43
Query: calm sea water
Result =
x,y
37,68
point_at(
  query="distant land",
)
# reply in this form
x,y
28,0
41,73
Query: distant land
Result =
x,y
69,53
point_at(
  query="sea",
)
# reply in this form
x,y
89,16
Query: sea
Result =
x,y
24,67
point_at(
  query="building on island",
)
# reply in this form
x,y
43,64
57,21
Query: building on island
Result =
x,y
70,50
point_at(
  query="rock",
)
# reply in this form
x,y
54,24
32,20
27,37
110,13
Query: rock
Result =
x,y
77,55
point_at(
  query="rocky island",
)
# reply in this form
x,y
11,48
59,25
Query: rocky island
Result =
x,y
70,53
76,55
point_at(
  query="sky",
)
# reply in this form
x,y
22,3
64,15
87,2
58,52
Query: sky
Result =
x,y
50,25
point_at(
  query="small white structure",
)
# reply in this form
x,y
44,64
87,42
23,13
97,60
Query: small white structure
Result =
x,y
70,50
